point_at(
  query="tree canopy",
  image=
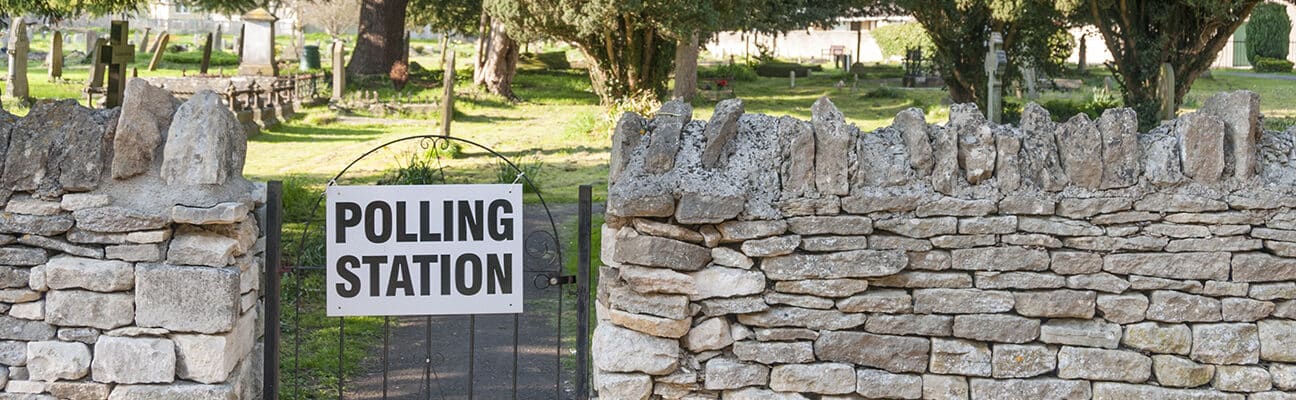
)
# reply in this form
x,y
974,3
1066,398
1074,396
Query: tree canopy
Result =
x,y
1143,34
1034,33
631,44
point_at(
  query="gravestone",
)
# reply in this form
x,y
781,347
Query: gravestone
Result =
x,y
206,58
163,39
91,40
97,66
238,44
339,69
792,79
56,56
995,63
1167,92
216,40
144,37
17,50
153,47
1028,75
447,95
258,44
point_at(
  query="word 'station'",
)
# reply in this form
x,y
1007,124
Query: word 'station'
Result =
x,y
424,250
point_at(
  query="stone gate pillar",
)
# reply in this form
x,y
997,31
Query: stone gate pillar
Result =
x,y
130,252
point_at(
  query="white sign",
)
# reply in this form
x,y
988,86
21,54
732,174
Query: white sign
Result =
x,y
424,250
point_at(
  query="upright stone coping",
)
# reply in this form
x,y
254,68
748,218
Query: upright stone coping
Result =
x,y
1076,259
121,279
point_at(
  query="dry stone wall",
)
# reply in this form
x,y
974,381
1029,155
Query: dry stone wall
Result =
x,y
760,257
130,252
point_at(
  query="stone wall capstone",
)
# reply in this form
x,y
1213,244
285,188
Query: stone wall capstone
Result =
x,y
761,257
119,278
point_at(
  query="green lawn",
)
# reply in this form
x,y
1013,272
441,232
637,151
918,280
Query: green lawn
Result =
x,y
559,130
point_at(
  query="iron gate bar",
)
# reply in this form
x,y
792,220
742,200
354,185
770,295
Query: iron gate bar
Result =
x,y
274,224
584,232
425,142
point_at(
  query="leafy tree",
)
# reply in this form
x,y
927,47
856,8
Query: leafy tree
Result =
x,y
896,38
1268,32
1033,34
631,45
61,9
445,15
335,17
1144,34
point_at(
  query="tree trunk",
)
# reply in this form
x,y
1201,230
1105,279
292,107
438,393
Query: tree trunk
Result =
x,y
483,47
500,64
686,64
379,42
628,61
445,46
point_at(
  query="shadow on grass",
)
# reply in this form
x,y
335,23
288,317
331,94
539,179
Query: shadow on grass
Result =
x,y
297,133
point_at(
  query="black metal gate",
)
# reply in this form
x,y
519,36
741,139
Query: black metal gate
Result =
x,y
540,354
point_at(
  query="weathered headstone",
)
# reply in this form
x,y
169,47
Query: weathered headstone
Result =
x,y
91,40
339,69
143,36
792,79
258,44
1166,90
206,57
216,40
152,47
238,44
1028,75
995,63
447,95
157,53
56,56
97,66
18,46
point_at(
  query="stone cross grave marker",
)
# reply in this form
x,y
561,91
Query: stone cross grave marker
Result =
x,y
157,52
117,53
339,69
18,46
995,63
258,44
56,56
206,57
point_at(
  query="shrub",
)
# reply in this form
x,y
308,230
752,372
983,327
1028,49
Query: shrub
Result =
x,y
218,58
529,166
895,39
1267,32
1266,64
419,170
736,72
884,92
779,69
321,118
547,60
